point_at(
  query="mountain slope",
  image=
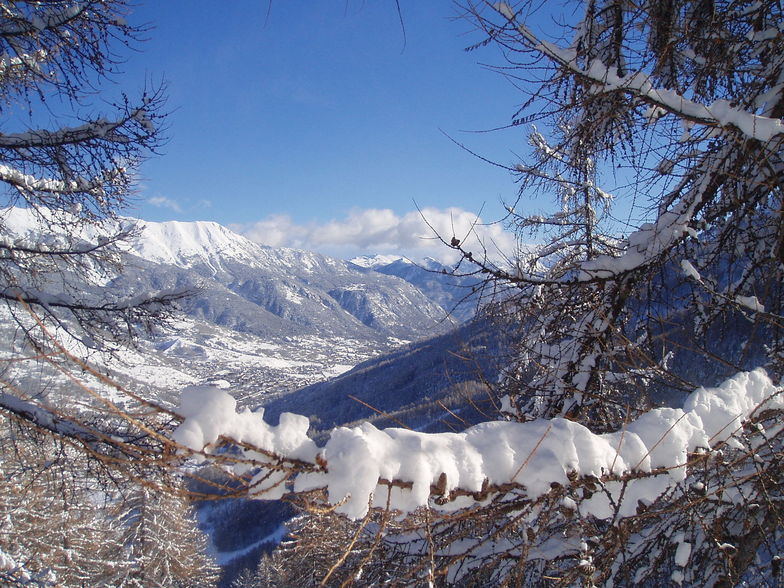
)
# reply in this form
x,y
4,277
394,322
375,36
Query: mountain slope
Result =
x,y
455,294
309,292
453,368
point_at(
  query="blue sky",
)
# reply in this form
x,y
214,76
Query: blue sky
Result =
x,y
318,126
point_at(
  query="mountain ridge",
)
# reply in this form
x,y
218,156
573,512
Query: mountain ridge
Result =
x,y
256,288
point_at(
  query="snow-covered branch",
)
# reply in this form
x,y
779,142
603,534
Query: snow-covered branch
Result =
x,y
363,465
720,114
101,129
28,182
45,419
605,79
51,17
134,305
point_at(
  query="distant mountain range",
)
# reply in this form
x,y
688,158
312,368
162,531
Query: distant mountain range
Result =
x,y
455,294
267,320
272,292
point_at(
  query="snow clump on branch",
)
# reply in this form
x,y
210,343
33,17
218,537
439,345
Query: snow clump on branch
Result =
x,y
362,466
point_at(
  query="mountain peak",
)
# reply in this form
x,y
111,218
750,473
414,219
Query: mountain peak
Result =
x,y
374,261
185,244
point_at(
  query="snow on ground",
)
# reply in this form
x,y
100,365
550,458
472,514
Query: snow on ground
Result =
x,y
192,352
162,376
337,369
255,369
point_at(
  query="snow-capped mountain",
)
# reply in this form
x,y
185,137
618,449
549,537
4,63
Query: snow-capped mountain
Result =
x,y
266,320
193,244
456,294
376,261
276,291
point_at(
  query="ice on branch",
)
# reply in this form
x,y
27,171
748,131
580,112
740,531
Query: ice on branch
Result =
x,y
690,270
364,465
504,9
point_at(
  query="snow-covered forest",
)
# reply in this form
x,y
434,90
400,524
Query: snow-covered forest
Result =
x,y
634,436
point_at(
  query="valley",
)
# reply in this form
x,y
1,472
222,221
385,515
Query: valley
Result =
x,y
262,321
290,330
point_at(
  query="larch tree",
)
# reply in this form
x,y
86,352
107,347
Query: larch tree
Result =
x,y
69,159
164,544
662,147
56,525
658,274
639,434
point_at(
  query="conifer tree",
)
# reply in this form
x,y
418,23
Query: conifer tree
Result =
x,y
656,128
162,540
54,521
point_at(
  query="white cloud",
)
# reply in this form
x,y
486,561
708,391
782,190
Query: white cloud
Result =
x,y
163,202
382,231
